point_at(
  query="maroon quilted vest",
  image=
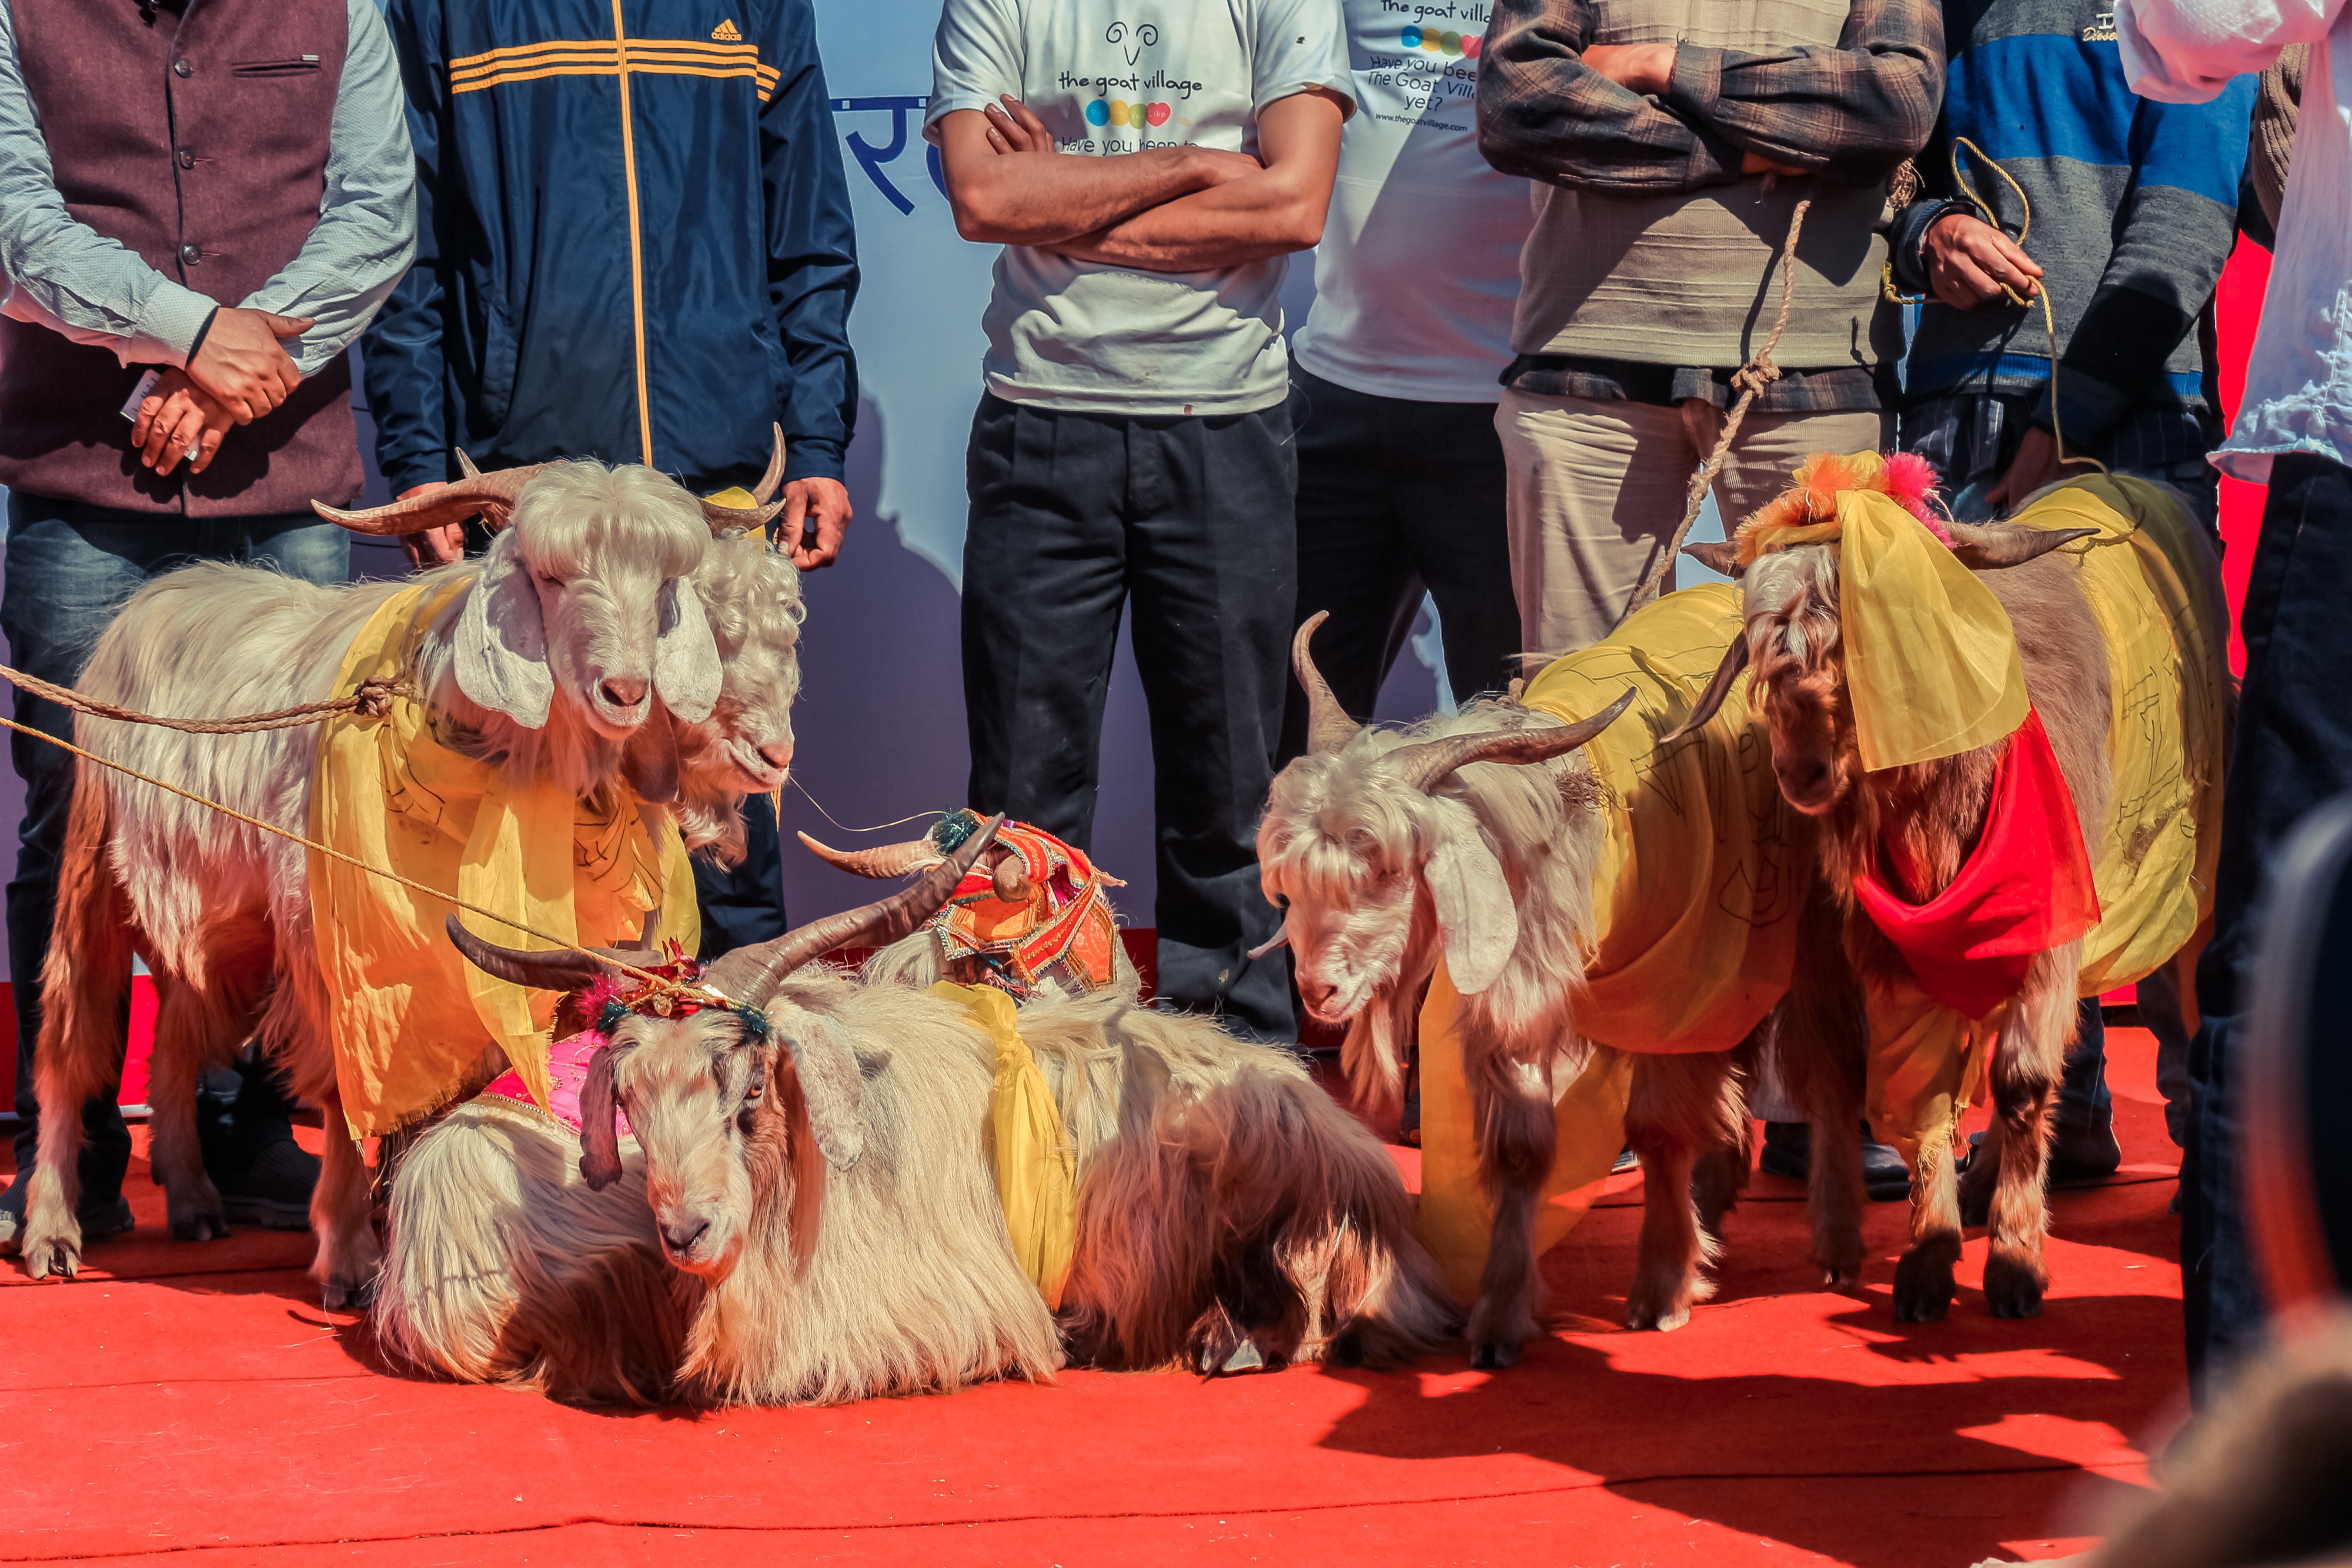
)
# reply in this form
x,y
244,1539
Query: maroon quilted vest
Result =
x,y
197,137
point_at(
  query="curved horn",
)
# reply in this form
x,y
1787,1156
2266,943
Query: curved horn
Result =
x,y
1011,876
883,862
765,490
1987,547
750,519
1718,556
465,469
1328,728
600,1139
1425,763
543,971
1719,686
490,496
751,975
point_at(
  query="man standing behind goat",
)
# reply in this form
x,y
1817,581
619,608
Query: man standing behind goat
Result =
x,y
634,245
1671,141
1148,172
218,190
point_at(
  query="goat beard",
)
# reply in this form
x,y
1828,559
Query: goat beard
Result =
x,y
1372,1053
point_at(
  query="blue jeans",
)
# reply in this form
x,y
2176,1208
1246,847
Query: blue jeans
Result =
x,y
70,567
2294,751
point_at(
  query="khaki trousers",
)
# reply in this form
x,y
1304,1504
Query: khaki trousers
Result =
x,y
1596,489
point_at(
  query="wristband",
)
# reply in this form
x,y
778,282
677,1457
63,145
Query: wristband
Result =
x,y
202,332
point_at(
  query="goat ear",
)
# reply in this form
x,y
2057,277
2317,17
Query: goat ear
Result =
x,y
1475,913
600,1139
831,1084
649,761
686,656
501,644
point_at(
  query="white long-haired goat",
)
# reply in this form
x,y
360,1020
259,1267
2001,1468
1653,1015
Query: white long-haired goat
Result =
x,y
1477,836
824,1199
549,659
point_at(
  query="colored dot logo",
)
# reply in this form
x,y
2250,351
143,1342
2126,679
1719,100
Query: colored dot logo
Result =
x,y
1437,42
1119,112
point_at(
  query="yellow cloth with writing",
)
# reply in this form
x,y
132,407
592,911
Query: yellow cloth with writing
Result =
x,y
1930,657
1036,1168
1694,910
410,1019
2161,614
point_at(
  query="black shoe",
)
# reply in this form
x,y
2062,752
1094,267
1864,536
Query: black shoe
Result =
x,y
1627,1160
1788,1152
273,1190
99,1221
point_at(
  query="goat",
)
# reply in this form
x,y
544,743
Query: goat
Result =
x,y
1911,829
1387,847
819,1187
752,596
546,658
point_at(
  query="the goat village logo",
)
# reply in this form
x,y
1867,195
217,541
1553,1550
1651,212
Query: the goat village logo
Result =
x,y
2102,29
1430,40
1147,109
726,32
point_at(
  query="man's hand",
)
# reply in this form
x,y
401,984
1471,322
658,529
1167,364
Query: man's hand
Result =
x,y
429,547
816,514
1757,163
242,364
1969,261
178,420
2037,464
1014,128
1637,67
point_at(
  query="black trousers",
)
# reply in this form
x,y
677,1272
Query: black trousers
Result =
x,y
743,904
1397,497
2293,752
1074,517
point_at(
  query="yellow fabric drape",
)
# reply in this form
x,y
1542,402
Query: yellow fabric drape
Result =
x,y
410,1017
1695,909
1036,1167
2163,620
1930,657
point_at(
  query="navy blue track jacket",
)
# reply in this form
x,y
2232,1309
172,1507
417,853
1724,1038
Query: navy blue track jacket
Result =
x,y
633,242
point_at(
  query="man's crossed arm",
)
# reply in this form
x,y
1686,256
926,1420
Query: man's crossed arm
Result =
x,y
1172,209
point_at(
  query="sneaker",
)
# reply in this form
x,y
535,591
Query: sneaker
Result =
x,y
99,1221
273,1189
1788,1152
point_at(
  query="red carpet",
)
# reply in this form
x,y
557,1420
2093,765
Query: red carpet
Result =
x,y
191,1403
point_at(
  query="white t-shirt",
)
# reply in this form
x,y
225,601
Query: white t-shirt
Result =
x,y
1419,269
1120,76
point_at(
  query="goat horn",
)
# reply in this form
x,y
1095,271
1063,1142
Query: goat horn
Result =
x,y
1719,686
751,975
465,464
1328,728
1718,556
541,971
1281,938
883,862
1425,763
748,519
1987,547
490,496
765,490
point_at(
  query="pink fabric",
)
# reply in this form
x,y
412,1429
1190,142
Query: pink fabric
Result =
x,y
567,1069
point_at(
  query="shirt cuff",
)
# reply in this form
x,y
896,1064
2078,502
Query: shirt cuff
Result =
x,y
1696,85
808,458
173,317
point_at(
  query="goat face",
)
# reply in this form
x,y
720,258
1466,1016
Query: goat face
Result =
x,y
585,596
1798,666
753,598
696,1091
1341,853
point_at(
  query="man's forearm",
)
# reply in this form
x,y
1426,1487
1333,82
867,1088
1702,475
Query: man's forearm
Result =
x,y
1244,221
1043,198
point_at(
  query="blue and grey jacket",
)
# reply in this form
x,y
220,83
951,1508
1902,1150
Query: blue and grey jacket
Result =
x,y
2134,212
633,242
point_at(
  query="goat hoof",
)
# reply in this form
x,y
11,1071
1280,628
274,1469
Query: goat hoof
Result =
x,y
1664,1321
1840,1278
2012,1288
199,1226
1923,1289
1494,1356
61,1258
342,1294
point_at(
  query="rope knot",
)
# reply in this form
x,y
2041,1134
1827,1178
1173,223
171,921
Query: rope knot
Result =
x,y
1757,374
373,699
